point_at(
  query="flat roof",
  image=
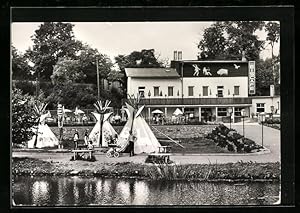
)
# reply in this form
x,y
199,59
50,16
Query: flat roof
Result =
x,y
151,72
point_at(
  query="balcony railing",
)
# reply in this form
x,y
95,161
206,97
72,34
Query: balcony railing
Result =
x,y
195,101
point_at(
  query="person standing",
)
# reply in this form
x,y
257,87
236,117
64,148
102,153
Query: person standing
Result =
x,y
131,139
75,139
86,137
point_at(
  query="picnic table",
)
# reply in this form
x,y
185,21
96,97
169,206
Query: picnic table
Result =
x,y
157,156
164,149
83,152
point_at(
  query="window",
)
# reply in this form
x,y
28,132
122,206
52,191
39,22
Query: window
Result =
x,y
236,90
220,91
222,112
205,91
170,91
142,92
156,91
260,107
191,91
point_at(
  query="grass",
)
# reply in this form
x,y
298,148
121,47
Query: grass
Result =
x,y
241,171
194,145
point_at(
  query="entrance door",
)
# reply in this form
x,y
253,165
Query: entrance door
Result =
x,y
206,114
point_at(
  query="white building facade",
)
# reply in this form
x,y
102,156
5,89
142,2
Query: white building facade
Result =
x,y
202,90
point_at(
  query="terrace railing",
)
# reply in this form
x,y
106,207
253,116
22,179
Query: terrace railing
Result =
x,y
195,101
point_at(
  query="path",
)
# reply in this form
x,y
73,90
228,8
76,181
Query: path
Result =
x,y
252,131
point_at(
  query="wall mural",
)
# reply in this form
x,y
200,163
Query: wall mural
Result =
x,y
211,69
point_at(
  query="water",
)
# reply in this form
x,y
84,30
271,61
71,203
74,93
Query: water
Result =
x,y
69,191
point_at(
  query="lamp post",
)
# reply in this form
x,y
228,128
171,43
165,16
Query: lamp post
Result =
x,y
262,120
243,115
229,110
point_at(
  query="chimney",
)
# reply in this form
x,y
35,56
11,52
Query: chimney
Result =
x,y
175,56
179,55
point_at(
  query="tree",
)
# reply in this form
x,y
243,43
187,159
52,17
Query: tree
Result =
x,y
143,58
67,71
23,117
264,76
213,43
273,33
20,68
227,40
51,42
87,59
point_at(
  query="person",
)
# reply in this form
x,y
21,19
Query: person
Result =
x,y
86,137
75,139
60,139
90,146
131,139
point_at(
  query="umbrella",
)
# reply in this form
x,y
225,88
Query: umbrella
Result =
x,y
67,110
157,111
79,111
177,112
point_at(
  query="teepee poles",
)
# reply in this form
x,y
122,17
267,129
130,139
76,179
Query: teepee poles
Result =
x,y
39,109
101,109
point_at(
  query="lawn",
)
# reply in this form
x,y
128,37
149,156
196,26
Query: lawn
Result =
x,y
194,145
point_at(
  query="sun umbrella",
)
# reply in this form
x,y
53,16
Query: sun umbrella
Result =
x,y
157,111
79,111
177,112
67,110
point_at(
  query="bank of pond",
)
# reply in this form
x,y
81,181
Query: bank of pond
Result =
x,y
240,171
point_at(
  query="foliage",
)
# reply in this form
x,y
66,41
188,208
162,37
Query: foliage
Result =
x,y
87,64
143,58
51,42
227,40
273,30
66,71
264,76
23,117
20,67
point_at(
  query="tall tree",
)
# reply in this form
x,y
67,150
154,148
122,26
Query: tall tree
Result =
x,y
273,33
20,68
227,40
52,41
143,58
214,43
87,60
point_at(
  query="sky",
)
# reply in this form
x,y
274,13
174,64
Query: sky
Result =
x,y
114,38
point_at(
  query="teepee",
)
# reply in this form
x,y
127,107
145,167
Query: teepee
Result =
x,y
107,130
43,137
146,141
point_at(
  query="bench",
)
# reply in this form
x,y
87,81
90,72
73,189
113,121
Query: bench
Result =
x,y
77,152
164,149
157,156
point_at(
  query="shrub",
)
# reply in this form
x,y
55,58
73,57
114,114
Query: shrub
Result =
x,y
23,117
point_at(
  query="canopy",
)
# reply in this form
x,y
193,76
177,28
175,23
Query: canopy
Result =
x,y
177,112
67,110
79,111
157,111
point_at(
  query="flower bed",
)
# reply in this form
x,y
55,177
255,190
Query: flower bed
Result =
x,y
232,141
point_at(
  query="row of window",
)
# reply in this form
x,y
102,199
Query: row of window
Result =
x,y
220,91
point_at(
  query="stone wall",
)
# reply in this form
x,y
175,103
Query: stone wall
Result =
x,y
173,131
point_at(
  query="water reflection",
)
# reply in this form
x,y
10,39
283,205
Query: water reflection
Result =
x,y
94,191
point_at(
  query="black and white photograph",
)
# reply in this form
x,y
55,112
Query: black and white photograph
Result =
x,y
145,113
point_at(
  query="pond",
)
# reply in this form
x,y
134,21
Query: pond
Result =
x,y
69,191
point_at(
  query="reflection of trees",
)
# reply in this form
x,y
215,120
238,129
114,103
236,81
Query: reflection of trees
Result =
x,y
40,192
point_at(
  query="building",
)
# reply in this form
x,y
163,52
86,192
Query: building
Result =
x,y
202,90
